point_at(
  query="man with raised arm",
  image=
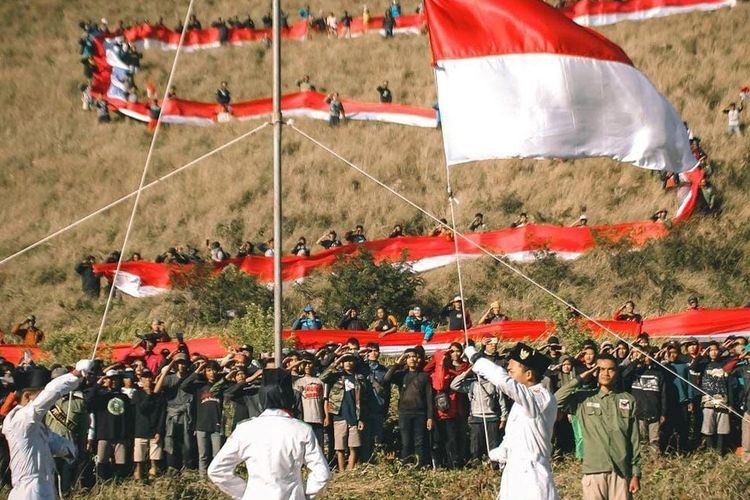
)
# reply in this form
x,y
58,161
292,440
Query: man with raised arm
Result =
x,y
274,447
527,447
32,445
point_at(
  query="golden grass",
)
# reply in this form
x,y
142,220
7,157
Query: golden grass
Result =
x,y
702,476
57,164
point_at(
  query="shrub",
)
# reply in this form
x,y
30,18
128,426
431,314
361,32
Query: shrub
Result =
x,y
360,281
69,345
254,327
201,295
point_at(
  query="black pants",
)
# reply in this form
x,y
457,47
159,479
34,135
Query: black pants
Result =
x,y
675,433
562,436
372,435
447,443
695,423
414,437
183,448
477,441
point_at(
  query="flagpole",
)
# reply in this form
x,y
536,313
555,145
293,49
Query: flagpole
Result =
x,y
276,121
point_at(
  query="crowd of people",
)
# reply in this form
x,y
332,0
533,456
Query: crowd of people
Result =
x,y
172,408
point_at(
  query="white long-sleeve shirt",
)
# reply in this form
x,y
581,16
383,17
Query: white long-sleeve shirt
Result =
x,y
274,447
32,445
527,446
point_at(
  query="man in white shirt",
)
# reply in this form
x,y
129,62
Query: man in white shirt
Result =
x,y
32,445
274,447
527,447
733,117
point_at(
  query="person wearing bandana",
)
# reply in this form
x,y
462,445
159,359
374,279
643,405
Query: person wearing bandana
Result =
x,y
526,450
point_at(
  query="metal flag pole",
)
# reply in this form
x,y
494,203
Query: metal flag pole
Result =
x,y
276,121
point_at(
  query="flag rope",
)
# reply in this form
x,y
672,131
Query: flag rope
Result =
x,y
130,195
508,266
141,184
451,203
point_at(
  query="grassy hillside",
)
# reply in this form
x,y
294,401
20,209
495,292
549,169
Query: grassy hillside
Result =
x,y
57,164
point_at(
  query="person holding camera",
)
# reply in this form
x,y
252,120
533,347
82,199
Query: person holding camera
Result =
x,y
28,332
307,320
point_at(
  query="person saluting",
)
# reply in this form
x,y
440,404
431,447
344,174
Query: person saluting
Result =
x,y
527,447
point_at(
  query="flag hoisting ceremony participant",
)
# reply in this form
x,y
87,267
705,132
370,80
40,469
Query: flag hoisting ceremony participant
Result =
x,y
274,447
32,445
526,450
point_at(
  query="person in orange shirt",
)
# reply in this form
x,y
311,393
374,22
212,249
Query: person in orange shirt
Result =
x,y
27,330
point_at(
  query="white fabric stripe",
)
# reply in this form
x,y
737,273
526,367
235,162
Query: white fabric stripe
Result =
x,y
663,11
132,114
552,106
398,118
131,284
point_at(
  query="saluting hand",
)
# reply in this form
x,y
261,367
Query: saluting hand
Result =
x,y
635,485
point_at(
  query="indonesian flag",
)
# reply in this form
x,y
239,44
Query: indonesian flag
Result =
x,y
516,78
603,12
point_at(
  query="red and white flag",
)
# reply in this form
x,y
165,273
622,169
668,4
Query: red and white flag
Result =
x,y
603,12
518,79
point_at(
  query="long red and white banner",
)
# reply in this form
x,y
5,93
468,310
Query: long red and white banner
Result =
x,y
702,324
299,104
603,12
147,36
106,84
423,253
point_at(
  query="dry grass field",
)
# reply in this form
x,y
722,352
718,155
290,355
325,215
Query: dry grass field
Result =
x,y
57,164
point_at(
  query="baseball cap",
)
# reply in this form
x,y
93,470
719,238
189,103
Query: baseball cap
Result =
x,y
457,298
112,373
308,308
59,371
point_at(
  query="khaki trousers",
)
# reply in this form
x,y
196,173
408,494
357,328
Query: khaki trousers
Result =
x,y
605,486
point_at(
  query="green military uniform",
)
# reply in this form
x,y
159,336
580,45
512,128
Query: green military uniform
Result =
x,y
610,430
69,418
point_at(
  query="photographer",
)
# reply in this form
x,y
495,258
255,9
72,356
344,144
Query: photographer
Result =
x,y
28,332
307,320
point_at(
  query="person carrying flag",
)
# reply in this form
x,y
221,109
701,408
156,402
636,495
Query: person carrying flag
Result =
x,y
527,447
32,445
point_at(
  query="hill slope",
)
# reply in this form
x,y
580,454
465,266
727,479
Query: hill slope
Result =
x,y
57,164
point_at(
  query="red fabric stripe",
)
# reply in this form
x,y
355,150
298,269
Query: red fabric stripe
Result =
x,y
702,323
534,237
461,29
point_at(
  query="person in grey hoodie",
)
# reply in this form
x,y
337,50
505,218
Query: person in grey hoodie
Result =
x,y
487,407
